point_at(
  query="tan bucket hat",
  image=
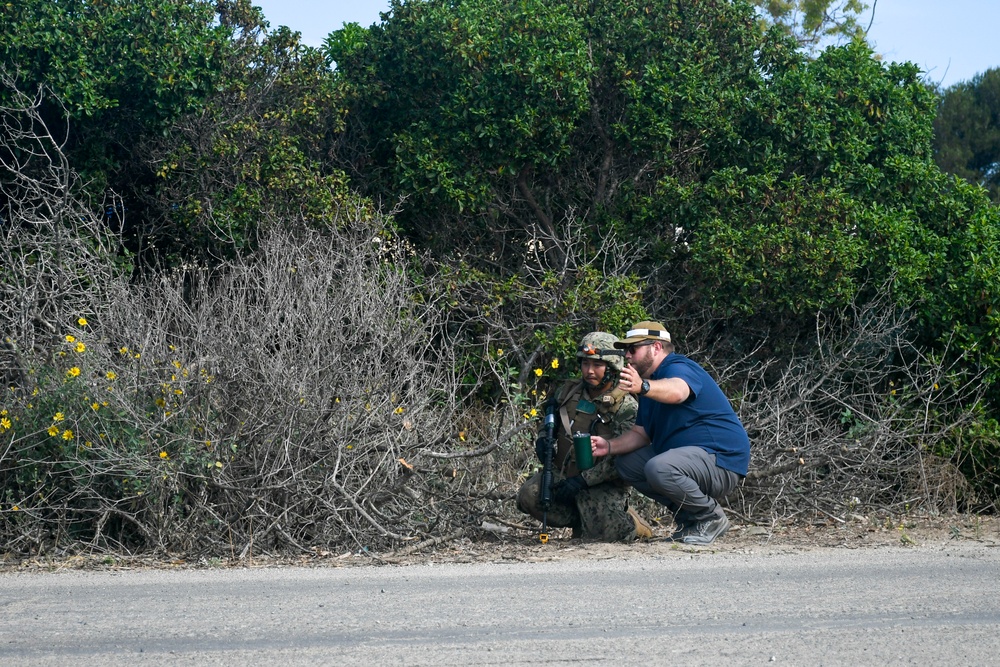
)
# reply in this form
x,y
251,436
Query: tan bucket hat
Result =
x,y
644,331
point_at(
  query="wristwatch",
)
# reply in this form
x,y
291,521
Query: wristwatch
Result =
x,y
644,388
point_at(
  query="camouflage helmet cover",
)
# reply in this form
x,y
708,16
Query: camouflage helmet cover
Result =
x,y
601,345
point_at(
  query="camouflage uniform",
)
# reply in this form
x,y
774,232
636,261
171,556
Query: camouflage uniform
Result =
x,y
599,512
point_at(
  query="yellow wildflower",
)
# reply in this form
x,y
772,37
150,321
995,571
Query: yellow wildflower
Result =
x,y
67,435
111,375
73,372
499,351
15,508
555,363
176,363
538,372
70,338
123,350
80,347
398,411
53,431
4,424
58,417
164,455
95,406
534,412
82,321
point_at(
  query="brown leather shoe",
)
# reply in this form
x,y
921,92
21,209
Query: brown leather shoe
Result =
x,y
643,531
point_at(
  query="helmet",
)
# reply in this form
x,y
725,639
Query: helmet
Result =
x,y
601,345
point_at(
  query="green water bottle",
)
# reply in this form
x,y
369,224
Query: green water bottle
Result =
x,y
584,454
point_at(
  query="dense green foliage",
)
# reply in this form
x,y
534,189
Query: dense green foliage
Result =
x,y
117,70
149,60
967,131
259,149
191,112
762,183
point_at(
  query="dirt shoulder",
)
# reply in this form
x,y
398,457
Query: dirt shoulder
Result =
x,y
512,545
915,533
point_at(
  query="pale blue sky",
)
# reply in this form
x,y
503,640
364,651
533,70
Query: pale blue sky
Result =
x,y
951,41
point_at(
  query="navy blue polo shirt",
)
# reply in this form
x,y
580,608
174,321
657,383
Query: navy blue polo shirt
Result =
x,y
706,419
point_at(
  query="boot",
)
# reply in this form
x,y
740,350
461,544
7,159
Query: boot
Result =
x,y
643,531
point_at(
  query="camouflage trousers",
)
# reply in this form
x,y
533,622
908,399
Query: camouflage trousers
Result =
x,y
599,512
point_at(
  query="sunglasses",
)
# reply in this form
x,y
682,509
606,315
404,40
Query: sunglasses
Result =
x,y
630,349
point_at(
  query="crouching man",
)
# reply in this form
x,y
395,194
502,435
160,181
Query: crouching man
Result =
x,y
687,449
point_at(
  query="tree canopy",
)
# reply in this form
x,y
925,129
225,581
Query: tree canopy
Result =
x,y
811,22
118,68
967,131
193,114
751,179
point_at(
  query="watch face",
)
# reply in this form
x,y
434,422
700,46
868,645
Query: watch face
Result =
x,y
645,387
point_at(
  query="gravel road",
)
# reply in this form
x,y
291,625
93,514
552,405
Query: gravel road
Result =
x,y
927,605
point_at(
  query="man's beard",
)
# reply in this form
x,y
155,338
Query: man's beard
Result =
x,y
642,366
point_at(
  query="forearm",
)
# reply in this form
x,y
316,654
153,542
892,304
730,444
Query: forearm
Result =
x,y
663,390
629,441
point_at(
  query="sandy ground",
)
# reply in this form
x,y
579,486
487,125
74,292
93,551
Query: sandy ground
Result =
x,y
502,544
